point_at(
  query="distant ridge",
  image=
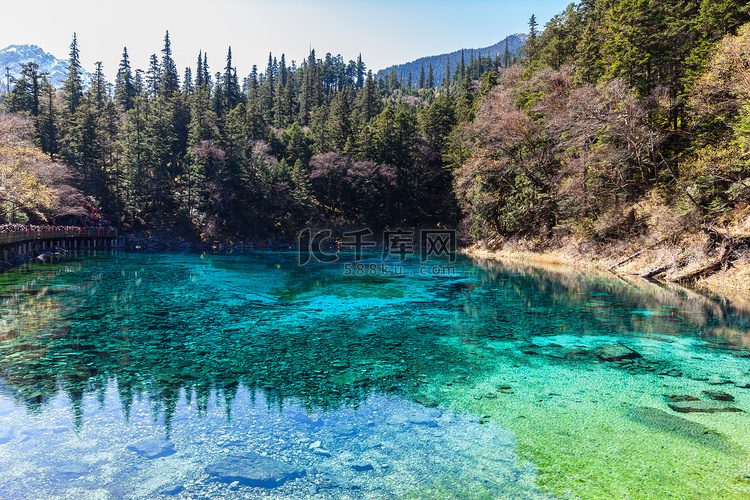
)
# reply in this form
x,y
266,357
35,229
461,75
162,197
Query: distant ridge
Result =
x,y
515,42
13,56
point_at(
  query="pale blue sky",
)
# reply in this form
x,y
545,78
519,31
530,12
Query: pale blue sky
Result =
x,y
385,32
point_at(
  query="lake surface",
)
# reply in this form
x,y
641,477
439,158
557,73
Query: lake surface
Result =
x,y
250,376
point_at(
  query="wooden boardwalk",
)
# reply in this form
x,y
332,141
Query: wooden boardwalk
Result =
x,y
21,236
20,243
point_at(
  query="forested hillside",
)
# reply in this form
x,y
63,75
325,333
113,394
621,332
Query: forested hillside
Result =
x,y
505,53
627,118
622,118
324,143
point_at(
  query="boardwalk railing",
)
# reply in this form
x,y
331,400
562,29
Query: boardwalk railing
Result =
x,y
19,236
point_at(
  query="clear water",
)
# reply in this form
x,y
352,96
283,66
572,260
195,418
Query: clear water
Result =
x,y
454,380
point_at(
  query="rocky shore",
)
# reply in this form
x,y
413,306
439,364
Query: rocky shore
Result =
x,y
714,263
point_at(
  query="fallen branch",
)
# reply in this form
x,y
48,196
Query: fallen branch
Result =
x,y
708,270
636,254
662,269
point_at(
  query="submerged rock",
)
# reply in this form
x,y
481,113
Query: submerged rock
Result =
x,y
718,396
702,407
679,426
615,352
152,448
426,401
676,398
362,467
171,489
254,470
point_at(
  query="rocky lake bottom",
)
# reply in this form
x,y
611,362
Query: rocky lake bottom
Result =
x,y
250,376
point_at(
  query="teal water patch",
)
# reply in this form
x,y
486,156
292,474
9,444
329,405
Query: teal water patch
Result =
x,y
402,379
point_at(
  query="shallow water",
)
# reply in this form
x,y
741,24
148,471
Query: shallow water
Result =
x,y
387,380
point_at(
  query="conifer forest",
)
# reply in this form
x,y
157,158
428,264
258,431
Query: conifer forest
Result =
x,y
612,106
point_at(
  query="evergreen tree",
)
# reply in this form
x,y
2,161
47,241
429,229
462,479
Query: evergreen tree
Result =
x,y
27,91
339,120
153,77
98,91
506,55
420,82
72,86
308,100
232,95
135,161
447,78
206,72
530,47
360,73
430,77
125,90
187,82
267,91
138,83
367,100
199,70
283,71
47,122
170,82
252,85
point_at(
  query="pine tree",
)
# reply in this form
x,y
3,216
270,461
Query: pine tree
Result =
x,y
447,78
420,82
430,77
206,73
199,70
282,71
360,72
124,85
252,85
138,82
47,123
187,82
302,187
339,121
98,91
267,91
72,87
506,55
530,47
308,100
153,77
27,91
170,82
231,85
367,100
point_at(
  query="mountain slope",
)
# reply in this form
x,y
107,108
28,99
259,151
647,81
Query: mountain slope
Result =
x,y
515,42
13,56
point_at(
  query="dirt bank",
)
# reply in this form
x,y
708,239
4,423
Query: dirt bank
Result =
x,y
710,261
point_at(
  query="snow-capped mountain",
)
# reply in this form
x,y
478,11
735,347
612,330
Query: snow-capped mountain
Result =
x,y
13,56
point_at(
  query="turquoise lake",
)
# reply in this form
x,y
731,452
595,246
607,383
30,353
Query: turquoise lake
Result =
x,y
249,376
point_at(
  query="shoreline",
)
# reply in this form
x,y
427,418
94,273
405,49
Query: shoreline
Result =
x,y
731,281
